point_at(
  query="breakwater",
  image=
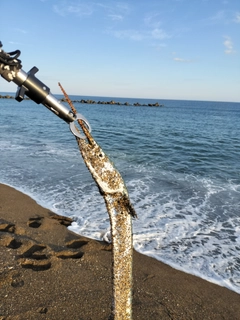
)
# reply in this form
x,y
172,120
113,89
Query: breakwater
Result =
x,y
89,101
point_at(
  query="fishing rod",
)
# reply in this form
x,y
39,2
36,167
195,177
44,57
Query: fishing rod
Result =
x,y
29,85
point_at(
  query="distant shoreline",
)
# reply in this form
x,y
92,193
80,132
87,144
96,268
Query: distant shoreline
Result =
x,y
90,101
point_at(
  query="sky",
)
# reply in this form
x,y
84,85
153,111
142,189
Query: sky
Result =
x,y
159,49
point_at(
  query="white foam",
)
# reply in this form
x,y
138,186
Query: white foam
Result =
x,y
187,221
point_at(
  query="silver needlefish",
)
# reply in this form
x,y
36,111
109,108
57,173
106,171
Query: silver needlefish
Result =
x,y
112,188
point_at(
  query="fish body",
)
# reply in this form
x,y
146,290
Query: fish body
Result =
x,y
121,211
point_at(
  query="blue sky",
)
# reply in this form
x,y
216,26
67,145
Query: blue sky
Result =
x,y
160,49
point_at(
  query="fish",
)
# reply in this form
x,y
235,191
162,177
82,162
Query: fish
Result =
x,y
114,191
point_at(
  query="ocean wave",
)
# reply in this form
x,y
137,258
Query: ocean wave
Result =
x,y
183,179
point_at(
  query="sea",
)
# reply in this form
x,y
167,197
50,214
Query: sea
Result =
x,y
180,163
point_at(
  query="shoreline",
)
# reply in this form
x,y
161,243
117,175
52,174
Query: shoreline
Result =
x,y
172,265
49,272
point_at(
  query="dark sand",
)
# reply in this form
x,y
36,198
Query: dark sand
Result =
x,y
48,272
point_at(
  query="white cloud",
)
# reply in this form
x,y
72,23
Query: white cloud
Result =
x,y
182,60
73,7
15,43
115,11
124,7
228,45
20,30
156,34
115,17
237,17
218,16
159,34
128,34
159,46
151,20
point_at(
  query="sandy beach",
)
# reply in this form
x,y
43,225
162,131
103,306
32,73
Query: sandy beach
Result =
x,y
48,272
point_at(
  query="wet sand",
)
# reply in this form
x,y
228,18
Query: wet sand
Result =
x,y
48,272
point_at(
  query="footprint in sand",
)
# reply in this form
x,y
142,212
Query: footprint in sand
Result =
x,y
6,226
34,255
35,222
